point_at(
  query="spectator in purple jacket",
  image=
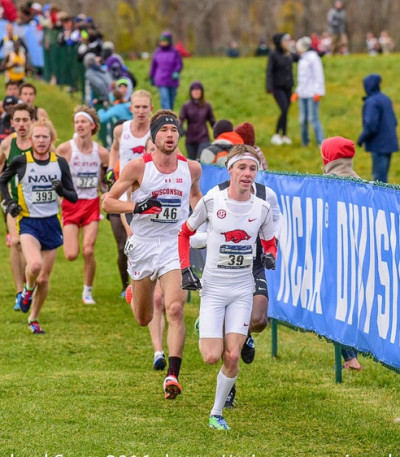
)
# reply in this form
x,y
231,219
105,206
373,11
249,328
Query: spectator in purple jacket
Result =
x,y
166,66
196,112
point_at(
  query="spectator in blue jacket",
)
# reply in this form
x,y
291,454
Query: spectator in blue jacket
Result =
x,y
379,135
165,69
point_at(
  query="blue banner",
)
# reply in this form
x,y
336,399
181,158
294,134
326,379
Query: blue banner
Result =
x,y
338,264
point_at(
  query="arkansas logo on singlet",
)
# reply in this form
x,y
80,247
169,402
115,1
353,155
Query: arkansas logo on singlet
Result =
x,y
236,236
138,150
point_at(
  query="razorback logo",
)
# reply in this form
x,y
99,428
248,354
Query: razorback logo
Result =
x,y
236,235
138,150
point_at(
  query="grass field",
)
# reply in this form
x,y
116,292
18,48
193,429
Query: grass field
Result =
x,y
86,387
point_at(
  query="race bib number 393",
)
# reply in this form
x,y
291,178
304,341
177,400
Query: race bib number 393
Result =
x,y
43,194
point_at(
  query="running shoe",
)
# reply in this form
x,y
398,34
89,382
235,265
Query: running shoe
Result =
x,y
128,294
35,328
172,387
25,300
248,351
159,362
218,422
88,299
17,306
230,398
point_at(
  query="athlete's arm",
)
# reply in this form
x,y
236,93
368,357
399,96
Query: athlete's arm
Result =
x,y
41,112
130,178
268,241
4,151
68,191
104,159
114,152
64,150
16,167
195,192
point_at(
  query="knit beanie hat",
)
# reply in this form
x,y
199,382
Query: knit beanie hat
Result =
x,y
246,131
303,44
335,148
222,126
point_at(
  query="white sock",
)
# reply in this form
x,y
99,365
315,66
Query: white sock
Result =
x,y
158,353
224,385
87,290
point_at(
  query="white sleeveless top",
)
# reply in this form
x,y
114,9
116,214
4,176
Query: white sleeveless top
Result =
x,y
172,190
85,171
35,192
130,147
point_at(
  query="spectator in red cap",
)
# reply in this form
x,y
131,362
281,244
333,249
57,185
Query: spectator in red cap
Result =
x,y
337,154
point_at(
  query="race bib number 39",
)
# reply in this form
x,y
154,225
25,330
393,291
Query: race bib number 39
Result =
x,y
87,180
170,212
235,257
42,194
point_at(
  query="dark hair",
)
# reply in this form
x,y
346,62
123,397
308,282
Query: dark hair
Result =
x,y
29,85
24,107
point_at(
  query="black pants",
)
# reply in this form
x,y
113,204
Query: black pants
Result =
x,y
282,97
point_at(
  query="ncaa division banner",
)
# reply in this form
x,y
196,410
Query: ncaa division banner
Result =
x,y
338,265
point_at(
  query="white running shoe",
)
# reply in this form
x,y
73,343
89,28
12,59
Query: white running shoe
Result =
x,y
286,140
276,139
88,299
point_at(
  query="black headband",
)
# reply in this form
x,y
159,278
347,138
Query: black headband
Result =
x,y
160,122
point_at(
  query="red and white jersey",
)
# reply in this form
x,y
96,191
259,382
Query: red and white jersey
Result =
x,y
233,227
130,147
85,171
172,190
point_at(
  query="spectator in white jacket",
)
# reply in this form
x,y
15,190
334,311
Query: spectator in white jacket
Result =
x,y
310,88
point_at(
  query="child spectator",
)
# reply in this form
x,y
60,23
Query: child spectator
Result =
x,y
196,112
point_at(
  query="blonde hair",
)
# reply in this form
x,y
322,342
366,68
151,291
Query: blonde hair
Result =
x,y
142,93
92,113
240,149
44,122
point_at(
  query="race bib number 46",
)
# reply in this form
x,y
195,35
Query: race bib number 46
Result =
x,y
170,212
42,194
87,180
235,257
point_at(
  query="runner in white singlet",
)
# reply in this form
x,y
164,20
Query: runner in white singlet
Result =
x,y
163,184
87,161
235,218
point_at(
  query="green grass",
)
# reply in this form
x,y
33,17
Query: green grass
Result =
x,y
87,388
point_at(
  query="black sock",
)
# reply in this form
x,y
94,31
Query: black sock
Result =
x,y
174,366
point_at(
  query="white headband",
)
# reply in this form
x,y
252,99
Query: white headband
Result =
x,y
84,114
238,157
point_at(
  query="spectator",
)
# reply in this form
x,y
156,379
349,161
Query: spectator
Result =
x,y
337,28
196,112
119,111
233,49
262,48
379,135
280,84
98,81
165,70
325,46
309,90
7,43
118,70
5,119
386,42
248,135
337,154
225,138
372,43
